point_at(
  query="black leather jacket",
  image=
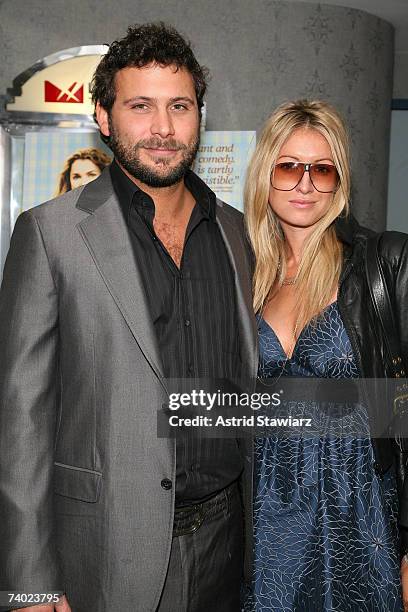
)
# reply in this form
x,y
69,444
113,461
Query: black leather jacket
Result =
x,y
363,327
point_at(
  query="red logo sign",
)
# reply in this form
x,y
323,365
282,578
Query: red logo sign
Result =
x,y
74,94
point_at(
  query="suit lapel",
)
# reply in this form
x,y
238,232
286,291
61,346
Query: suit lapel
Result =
x,y
106,236
238,252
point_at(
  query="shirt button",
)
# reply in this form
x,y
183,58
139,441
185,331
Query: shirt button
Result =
x,y
187,322
166,484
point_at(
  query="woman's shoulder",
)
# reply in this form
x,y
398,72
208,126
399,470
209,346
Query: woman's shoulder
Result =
x,y
391,239
390,243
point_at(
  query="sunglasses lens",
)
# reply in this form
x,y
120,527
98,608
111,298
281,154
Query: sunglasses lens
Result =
x,y
286,175
324,177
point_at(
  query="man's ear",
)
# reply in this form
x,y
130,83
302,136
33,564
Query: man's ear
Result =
x,y
102,119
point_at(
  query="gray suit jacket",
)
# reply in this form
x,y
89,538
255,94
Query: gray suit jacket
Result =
x,y
82,508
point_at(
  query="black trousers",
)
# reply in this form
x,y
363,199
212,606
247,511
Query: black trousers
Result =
x,y
205,569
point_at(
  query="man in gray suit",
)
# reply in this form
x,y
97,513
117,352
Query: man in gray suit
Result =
x,y
110,291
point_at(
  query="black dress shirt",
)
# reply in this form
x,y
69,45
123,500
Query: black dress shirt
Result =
x,y
194,316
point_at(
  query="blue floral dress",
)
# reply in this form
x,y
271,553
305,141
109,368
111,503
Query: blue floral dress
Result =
x,y
325,524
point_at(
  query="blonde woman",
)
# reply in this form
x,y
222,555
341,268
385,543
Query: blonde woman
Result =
x,y
326,507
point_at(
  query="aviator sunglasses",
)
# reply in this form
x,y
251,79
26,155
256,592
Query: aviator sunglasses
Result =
x,y
287,175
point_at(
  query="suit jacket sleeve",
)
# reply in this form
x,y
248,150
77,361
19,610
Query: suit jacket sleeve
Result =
x,y
401,301
28,397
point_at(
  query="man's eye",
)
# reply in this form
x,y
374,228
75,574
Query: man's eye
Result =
x,y
179,107
140,106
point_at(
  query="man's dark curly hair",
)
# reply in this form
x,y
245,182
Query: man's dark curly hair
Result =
x,y
145,44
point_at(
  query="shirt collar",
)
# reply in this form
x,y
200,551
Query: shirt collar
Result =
x,y
129,193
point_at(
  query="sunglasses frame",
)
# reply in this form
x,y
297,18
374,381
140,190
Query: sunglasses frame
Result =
x,y
306,168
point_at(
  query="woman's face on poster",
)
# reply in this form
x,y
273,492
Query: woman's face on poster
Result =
x,y
83,171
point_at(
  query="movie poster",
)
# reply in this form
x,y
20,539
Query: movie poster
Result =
x,y
221,162
58,161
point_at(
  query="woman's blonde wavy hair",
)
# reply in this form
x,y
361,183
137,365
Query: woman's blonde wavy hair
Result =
x,y
319,269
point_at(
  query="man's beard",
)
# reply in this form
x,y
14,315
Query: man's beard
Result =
x,y
128,156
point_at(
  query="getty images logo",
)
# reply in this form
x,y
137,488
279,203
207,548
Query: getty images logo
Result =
x,y
74,94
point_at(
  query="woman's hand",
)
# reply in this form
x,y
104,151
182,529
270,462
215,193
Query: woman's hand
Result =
x,y
404,583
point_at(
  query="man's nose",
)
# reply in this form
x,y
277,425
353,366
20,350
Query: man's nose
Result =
x,y
162,123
